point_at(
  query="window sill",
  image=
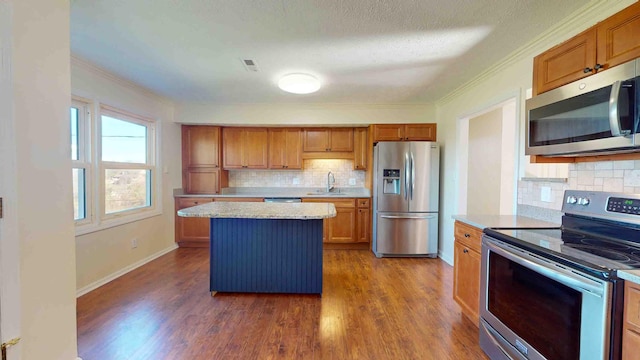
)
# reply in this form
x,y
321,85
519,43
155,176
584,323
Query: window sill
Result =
x,y
110,223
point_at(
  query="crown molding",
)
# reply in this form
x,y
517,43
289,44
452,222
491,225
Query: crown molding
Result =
x,y
99,71
578,21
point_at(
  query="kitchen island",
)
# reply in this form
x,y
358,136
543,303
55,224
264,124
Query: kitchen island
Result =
x,y
264,247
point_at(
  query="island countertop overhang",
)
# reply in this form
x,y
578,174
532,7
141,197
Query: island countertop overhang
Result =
x,y
258,210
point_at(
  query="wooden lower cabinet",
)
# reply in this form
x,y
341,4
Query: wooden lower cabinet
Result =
x,y
191,232
631,324
194,231
363,221
342,228
466,269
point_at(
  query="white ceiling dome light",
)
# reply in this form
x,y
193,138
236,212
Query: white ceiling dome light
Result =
x,y
299,83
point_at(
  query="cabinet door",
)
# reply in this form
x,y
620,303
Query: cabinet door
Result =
x,y
200,146
191,232
341,140
232,148
285,149
342,227
420,132
316,140
565,63
255,148
364,216
388,132
202,181
360,148
619,37
466,280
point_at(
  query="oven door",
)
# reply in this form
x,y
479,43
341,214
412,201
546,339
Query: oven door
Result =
x,y
534,308
595,114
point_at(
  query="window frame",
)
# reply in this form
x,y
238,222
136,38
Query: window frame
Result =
x,y
91,144
85,151
149,165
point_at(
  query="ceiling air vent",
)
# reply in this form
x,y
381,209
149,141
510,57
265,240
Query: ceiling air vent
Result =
x,y
250,65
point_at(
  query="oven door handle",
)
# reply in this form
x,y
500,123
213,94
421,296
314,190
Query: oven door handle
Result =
x,y
562,276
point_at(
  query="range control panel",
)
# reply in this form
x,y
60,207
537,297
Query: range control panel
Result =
x,y
603,205
623,205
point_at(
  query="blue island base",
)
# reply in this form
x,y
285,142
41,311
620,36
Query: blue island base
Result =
x,y
266,255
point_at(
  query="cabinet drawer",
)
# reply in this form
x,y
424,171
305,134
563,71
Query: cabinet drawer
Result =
x,y
363,203
336,202
182,203
469,235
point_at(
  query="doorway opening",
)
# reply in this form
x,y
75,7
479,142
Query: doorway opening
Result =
x,y
488,157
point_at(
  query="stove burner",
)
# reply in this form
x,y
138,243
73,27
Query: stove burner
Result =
x,y
605,253
604,243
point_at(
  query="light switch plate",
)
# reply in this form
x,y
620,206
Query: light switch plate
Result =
x,y
545,194
352,181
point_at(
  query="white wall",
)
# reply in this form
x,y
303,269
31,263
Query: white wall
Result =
x,y
44,209
511,76
303,114
105,254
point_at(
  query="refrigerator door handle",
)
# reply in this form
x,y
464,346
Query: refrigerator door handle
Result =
x,y
406,176
407,217
413,176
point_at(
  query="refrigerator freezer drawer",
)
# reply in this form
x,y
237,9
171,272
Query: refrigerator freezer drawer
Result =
x,y
406,234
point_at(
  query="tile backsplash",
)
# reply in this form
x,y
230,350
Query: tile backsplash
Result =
x,y
613,176
314,174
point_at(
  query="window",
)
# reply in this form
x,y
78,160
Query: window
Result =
x,y
114,166
80,118
127,162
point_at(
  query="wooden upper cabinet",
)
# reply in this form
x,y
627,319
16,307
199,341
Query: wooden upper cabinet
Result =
x,y
285,148
201,146
404,132
201,159
360,148
245,148
565,63
328,139
611,42
619,37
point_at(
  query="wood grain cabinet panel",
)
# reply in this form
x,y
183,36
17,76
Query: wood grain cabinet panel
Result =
x,y
191,232
245,148
609,43
341,228
363,221
404,132
466,269
328,140
360,148
631,324
565,62
285,149
201,172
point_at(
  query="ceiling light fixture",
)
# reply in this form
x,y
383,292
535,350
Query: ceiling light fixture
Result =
x,y
299,83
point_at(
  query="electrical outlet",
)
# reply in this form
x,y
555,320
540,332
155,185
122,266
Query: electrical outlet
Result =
x,y
545,194
352,181
134,243
296,181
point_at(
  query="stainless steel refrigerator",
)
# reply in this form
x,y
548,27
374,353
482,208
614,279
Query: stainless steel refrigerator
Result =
x,y
406,189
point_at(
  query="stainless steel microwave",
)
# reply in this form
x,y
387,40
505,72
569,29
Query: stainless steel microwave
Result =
x,y
595,115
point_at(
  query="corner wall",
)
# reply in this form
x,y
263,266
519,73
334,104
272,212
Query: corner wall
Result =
x,y
43,211
106,254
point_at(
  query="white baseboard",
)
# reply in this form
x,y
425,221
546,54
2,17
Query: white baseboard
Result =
x,y
117,274
446,258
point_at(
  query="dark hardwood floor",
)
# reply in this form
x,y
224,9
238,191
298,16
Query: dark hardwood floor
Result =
x,y
370,309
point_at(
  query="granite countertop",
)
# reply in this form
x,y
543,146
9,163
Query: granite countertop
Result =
x,y
288,192
260,210
503,221
631,275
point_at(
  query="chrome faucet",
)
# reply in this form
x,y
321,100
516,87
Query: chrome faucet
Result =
x,y
331,180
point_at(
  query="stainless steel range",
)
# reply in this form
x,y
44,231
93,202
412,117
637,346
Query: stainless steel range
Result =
x,y
555,293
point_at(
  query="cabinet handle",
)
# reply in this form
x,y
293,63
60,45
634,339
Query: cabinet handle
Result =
x,y
467,235
598,67
587,70
595,68
465,251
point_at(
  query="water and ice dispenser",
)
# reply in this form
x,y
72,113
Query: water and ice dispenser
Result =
x,y
391,181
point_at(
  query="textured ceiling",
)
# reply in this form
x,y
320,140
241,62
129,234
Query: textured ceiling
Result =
x,y
364,51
